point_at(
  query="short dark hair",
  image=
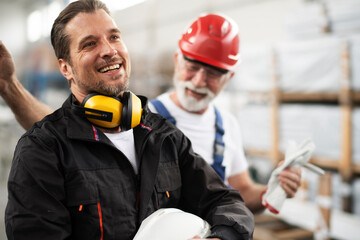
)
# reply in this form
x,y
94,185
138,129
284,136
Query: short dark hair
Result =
x,y
59,39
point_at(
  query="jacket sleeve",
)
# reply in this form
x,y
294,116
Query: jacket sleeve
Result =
x,y
35,208
205,194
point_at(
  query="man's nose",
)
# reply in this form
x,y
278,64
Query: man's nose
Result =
x,y
107,49
199,79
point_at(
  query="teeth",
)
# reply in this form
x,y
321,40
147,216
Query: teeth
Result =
x,y
108,68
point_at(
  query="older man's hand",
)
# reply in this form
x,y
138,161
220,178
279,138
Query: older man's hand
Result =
x,y
290,180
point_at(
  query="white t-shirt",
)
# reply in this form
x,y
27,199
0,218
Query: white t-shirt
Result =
x,y
124,141
200,129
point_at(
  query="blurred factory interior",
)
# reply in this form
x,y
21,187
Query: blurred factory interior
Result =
x,y
299,78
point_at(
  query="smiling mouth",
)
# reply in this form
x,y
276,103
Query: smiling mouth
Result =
x,y
110,68
196,95
195,92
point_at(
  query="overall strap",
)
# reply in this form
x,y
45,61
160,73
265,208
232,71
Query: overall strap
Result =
x,y
161,109
219,146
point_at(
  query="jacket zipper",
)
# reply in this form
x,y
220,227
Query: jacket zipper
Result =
x,y
137,184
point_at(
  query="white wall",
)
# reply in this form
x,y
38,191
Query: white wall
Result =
x,y
12,27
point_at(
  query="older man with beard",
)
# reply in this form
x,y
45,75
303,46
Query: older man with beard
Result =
x,y
204,64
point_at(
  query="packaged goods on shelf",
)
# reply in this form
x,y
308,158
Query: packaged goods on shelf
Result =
x,y
306,66
343,15
339,189
297,122
320,123
307,20
356,196
355,61
310,66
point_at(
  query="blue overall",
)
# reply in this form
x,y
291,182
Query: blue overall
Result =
x,y
219,144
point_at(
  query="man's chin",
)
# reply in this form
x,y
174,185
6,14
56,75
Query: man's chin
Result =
x,y
112,89
194,105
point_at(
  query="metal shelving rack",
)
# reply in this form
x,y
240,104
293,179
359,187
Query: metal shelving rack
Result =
x,y
346,99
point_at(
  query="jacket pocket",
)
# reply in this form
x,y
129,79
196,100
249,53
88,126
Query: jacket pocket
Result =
x,y
168,185
85,211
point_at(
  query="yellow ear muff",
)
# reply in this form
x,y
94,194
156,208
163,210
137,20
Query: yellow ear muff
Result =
x,y
111,112
105,105
131,112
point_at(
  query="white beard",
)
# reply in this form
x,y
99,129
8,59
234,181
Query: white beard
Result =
x,y
188,102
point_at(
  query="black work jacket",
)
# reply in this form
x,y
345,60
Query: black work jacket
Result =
x,y
68,181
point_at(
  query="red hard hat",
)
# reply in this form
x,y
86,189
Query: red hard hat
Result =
x,y
212,39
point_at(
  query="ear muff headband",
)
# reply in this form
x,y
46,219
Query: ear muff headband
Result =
x,y
131,112
126,111
136,110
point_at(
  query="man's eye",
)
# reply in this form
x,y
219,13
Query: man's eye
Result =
x,y
89,44
214,74
193,67
115,37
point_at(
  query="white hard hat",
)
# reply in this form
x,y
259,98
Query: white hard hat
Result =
x,y
172,223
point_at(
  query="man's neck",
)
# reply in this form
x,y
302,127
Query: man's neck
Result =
x,y
113,130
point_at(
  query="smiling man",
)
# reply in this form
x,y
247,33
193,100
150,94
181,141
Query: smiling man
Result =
x,y
78,174
97,59
204,64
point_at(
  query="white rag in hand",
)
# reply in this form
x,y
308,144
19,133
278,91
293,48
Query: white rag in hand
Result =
x,y
295,156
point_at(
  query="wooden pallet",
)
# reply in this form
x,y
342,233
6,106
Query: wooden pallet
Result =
x,y
269,227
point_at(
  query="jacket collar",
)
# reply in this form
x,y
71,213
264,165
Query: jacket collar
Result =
x,y
79,127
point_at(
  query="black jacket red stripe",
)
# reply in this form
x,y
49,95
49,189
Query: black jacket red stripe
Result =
x,y
63,162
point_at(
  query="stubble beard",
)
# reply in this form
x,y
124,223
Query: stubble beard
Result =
x,y
102,87
111,90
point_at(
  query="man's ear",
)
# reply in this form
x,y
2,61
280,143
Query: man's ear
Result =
x,y
176,55
229,77
232,74
65,69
